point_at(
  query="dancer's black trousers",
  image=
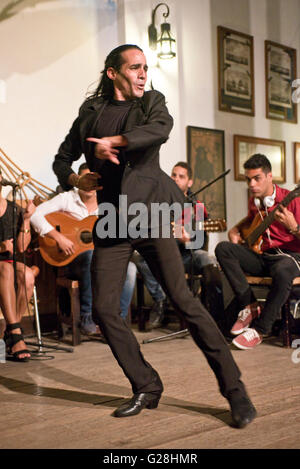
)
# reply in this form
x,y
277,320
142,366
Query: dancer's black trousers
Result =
x,y
109,266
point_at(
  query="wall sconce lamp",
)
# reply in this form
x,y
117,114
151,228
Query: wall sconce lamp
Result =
x,y
165,43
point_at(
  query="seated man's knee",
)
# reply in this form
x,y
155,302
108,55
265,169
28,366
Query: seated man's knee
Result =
x,y
283,273
222,248
85,258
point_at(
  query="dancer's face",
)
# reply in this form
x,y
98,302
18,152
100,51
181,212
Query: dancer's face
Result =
x,y
130,80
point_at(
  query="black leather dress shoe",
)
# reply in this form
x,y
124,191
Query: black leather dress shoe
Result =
x,y
137,403
242,410
157,314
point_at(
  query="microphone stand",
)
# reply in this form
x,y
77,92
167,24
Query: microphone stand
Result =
x,y
14,188
191,198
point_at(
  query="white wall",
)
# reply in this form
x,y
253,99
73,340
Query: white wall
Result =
x,y
165,76
51,52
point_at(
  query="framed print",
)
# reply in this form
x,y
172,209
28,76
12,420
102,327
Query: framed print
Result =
x,y
274,150
297,162
236,71
281,70
206,156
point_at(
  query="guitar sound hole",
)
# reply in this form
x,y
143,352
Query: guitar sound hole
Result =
x,y
86,237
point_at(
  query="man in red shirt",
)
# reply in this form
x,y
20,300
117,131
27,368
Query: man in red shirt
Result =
x,y
279,259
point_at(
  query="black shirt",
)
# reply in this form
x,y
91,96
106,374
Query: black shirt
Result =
x,y
112,122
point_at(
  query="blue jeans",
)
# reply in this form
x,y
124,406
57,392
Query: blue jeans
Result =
x,y
150,281
195,262
80,269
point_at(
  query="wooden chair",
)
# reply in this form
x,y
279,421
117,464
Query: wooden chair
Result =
x,y
68,307
285,311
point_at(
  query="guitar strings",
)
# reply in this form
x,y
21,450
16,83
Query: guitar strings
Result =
x,y
262,217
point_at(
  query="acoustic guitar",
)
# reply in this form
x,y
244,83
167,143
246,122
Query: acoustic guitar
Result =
x,y
77,231
80,233
252,233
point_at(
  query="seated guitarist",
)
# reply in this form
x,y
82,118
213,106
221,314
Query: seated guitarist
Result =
x,y
196,261
80,204
279,257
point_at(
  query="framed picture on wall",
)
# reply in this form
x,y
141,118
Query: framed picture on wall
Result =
x,y
206,156
281,70
274,150
297,162
235,71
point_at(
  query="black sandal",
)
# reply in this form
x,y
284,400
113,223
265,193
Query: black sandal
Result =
x,y
11,340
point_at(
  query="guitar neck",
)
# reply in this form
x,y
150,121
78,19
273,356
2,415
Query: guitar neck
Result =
x,y
257,232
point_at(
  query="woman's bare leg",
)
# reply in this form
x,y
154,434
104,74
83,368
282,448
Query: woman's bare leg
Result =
x,y
12,308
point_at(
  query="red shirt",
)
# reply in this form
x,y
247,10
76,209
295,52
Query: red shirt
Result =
x,y
279,235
